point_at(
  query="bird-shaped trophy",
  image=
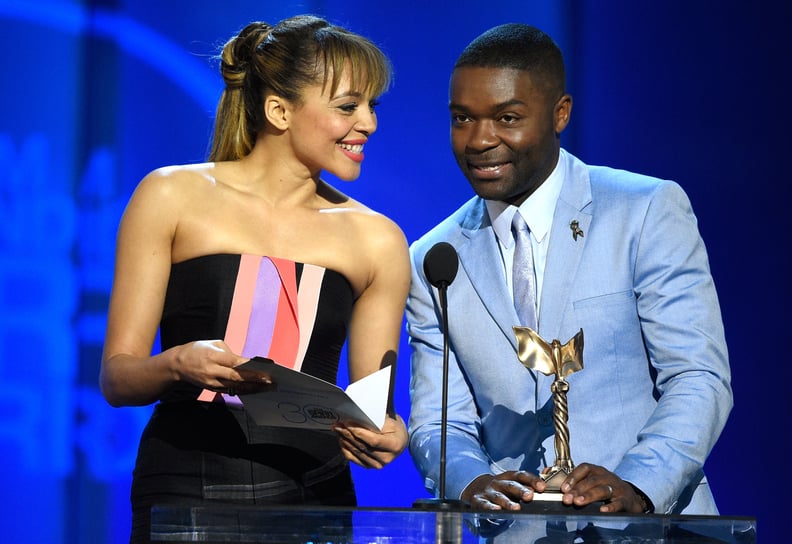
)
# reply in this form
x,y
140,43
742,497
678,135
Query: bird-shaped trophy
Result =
x,y
553,359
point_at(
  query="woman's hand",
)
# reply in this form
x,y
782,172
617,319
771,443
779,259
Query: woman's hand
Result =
x,y
212,365
372,449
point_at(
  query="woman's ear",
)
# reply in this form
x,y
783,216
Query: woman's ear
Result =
x,y
276,111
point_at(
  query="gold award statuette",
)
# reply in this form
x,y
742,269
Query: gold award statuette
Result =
x,y
554,359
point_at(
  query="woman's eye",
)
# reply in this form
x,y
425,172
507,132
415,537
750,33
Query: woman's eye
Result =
x,y
348,108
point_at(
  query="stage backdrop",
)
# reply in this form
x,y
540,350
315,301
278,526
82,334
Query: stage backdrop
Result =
x,y
96,94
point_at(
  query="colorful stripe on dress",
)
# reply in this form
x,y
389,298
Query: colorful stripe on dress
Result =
x,y
269,311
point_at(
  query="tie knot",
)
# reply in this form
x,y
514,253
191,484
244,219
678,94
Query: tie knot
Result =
x,y
518,222
519,226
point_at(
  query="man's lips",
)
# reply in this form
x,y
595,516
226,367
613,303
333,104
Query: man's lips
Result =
x,y
489,170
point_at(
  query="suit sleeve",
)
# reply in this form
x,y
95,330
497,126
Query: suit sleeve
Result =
x,y
683,334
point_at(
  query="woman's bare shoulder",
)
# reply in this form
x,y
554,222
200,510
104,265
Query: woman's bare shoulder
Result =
x,y
180,173
168,182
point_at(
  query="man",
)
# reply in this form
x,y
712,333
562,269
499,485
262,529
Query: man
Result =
x,y
615,254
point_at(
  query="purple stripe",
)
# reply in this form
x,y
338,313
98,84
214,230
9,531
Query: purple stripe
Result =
x,y
264,311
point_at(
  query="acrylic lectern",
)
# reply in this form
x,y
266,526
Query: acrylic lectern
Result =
x,y
331,525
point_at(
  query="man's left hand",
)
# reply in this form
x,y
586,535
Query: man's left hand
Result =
x,y
589,483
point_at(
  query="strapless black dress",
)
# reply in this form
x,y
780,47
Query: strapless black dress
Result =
x,y
200,446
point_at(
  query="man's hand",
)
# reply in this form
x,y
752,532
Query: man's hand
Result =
x,y
590,483
502,492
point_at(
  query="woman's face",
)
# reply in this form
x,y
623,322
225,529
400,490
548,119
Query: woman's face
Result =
x,y
329,132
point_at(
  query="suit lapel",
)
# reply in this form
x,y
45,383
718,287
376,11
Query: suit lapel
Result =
x,y
563,258
565,251
481,259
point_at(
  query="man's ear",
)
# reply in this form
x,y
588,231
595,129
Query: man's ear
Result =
x,y
562,112
277,111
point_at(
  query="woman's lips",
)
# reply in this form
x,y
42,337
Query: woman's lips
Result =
x,y
353,150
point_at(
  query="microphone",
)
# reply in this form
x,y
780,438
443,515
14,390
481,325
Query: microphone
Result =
x,y
440,267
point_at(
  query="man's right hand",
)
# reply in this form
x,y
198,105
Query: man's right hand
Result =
x,y
504,491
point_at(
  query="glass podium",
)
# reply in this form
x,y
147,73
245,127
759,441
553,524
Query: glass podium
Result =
x,y
330,525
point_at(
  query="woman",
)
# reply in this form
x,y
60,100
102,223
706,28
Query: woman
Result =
x,y
254,254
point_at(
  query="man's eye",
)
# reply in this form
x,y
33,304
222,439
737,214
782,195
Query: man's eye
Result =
x,y
458,118
509,119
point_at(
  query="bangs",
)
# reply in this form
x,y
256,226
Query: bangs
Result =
x,y
370,72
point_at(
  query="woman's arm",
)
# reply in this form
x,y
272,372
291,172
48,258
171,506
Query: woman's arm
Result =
x,y
375,330
129,374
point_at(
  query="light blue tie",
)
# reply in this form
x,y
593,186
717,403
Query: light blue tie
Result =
x,y
523,278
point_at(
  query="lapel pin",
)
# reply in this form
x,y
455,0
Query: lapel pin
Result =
x,y
575,226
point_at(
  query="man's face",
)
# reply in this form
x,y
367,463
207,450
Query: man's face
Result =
x,y
504,130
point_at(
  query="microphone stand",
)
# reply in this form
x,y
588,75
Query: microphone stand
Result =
x,y
440,267
448,526
442,503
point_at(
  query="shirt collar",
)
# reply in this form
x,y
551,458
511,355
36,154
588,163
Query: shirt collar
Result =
x,y
537,210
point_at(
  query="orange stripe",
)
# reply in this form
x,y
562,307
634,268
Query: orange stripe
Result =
x,y
286,334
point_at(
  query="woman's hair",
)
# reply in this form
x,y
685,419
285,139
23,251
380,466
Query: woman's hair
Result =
x,y
284,59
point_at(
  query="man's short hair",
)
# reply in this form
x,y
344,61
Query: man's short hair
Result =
x,y
520,47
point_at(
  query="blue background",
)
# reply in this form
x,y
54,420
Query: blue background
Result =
x,y
96,94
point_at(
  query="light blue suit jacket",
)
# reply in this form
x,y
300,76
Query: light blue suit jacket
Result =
x,y
654,393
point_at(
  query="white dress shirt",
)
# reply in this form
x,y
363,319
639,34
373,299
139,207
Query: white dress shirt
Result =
x,y
537,210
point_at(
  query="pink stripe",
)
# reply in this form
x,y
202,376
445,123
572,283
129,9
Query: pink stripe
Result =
x,y
236,329
241,304
308,302
208,396
262,316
